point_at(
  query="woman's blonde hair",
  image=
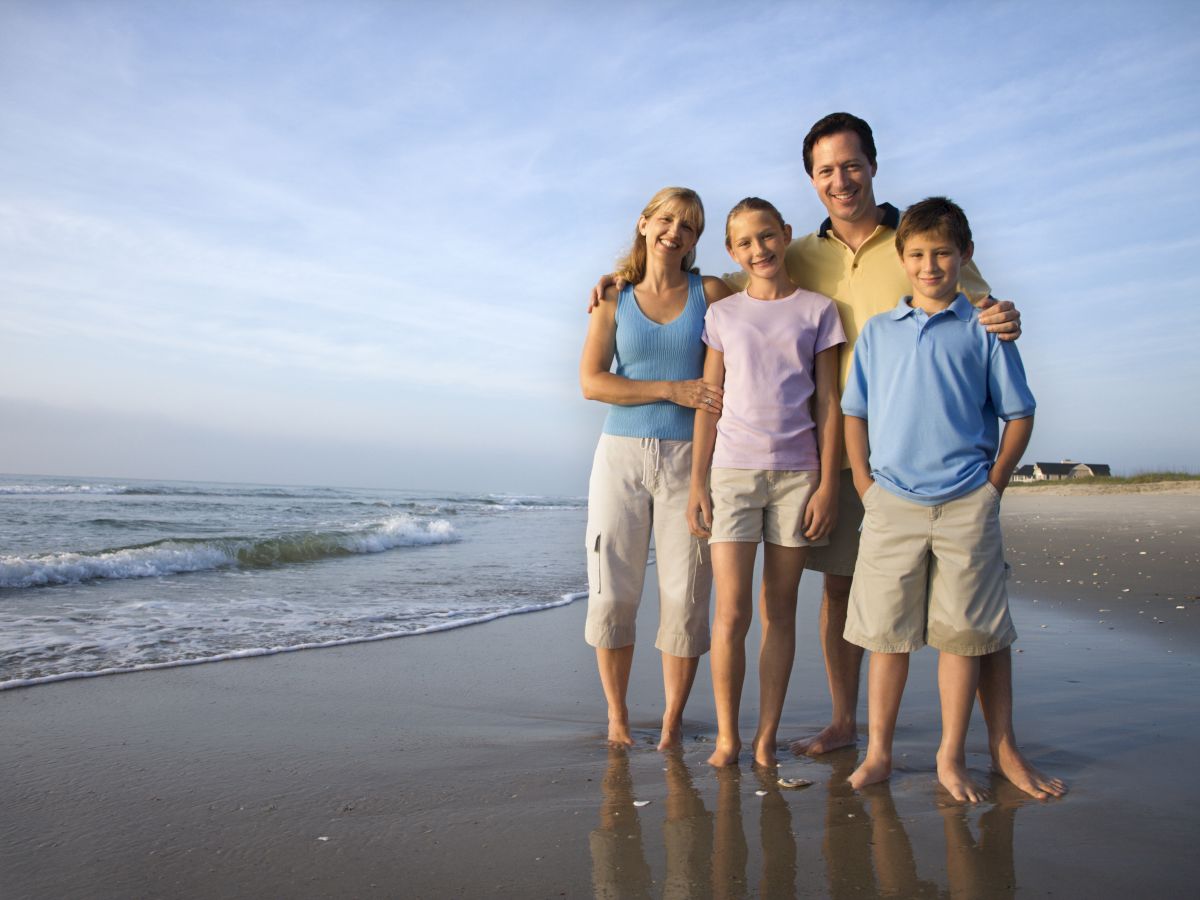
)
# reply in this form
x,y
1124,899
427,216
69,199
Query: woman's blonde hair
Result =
x,y
632,266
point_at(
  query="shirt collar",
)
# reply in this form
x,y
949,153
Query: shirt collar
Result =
x,y
891,219
960,306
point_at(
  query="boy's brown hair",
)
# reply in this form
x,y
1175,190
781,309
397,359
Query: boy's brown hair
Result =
x,y
939,215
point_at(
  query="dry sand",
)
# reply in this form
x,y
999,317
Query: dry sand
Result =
x,y
470,763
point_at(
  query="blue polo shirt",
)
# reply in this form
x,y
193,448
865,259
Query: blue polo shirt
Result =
x,y
931,389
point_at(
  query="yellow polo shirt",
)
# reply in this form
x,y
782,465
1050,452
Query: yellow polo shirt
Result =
x,y
863,283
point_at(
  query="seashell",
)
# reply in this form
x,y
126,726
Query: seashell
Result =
x,y
794,783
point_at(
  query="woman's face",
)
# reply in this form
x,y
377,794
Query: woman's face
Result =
x,y
669,233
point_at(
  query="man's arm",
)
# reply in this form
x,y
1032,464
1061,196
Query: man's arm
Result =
x,y
1012,447
998,316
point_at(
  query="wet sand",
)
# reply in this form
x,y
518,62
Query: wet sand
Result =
x,y
471,763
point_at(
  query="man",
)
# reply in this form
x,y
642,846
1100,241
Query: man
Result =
x,y
852,259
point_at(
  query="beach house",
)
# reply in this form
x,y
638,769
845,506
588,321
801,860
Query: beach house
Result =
x,y
1068,468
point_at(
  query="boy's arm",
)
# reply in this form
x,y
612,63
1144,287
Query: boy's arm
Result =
x,y
858,448
820,515
704,439
1012,446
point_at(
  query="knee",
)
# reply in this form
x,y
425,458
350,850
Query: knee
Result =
x,y
837,590
779,617
731,624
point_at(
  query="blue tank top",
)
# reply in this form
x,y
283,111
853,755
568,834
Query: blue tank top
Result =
x,y
647,351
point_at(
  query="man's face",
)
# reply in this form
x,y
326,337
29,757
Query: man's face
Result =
x,y
842,177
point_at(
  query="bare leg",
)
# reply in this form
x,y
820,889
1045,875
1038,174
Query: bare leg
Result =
x,y
996,703
843,662
678,674
958,677
885,686
614,676
782,568
733,571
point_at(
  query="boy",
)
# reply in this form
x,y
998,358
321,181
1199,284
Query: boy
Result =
x,y
921,407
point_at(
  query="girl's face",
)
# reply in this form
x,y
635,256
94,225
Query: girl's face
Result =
x,y
757,241
669,233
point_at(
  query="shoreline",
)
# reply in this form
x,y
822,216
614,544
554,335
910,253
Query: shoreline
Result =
x,y
471,762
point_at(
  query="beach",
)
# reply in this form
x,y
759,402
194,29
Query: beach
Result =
x,y
471,762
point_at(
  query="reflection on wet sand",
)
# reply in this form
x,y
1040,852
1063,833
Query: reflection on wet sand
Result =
x,y
865,849
619,866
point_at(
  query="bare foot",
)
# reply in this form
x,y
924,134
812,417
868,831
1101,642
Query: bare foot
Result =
x,y
726,753
764,751
1010,763
952,773
832,737
671,737
618,729
872,771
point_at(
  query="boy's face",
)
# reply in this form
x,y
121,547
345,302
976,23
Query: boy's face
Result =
x,y
931,261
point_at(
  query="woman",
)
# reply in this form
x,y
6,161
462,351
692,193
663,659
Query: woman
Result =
x,y
640,475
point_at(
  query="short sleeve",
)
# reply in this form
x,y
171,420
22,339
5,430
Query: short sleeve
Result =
x,y
971,283
711,335
1009,391
829,328
854,397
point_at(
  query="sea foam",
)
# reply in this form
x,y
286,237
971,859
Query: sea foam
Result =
x,y
179,555
311,645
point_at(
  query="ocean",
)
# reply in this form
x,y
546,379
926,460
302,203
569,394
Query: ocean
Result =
x,y
100,575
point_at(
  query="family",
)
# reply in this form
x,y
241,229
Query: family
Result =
x,y
738,404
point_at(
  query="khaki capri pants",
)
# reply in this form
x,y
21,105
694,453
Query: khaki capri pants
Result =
x,y
639,488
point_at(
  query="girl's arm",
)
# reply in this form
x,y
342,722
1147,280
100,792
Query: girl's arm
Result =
x,y
820,515
704,438
599,383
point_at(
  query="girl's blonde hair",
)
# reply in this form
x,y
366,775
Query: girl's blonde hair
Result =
x,y
632,266
752,204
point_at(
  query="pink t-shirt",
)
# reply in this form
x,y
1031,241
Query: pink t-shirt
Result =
x,y
769,345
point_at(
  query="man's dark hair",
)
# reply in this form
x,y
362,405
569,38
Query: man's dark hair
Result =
x,y
835,123
935,215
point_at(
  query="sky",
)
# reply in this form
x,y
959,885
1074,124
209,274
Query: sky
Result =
x,y
351,243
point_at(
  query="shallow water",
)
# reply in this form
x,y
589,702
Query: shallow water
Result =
x,y
102,574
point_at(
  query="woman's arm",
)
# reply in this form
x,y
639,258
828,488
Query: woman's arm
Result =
x,y
598,383
820,515
704,439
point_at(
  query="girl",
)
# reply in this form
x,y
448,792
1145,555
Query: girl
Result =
x,y
775,454
640,474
